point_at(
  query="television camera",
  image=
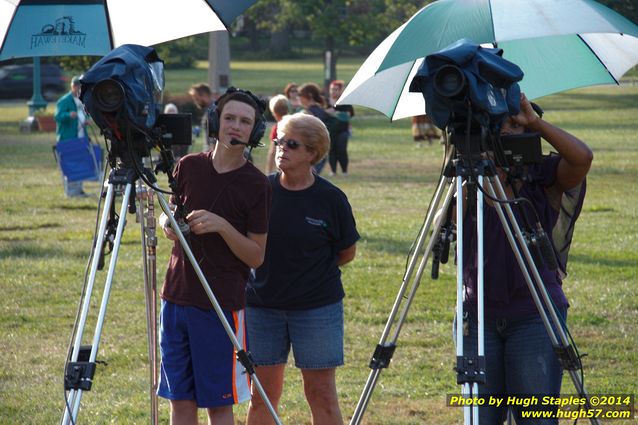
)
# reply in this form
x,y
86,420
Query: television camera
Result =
x,y
471,90
123,94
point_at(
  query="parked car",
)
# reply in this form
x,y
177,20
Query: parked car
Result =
x,y
16,81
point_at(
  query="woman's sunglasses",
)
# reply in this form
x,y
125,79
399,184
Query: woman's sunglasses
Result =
x,y
290,143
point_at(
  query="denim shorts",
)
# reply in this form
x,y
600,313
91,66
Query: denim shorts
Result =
x,y
315,335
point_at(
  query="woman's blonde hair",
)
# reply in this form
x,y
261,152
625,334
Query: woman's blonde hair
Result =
x,y
311,131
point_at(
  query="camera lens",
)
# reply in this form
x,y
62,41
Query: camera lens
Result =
x,y
449,81
108,95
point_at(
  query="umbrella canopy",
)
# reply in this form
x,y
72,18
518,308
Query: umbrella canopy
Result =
x,y
33,28
559,45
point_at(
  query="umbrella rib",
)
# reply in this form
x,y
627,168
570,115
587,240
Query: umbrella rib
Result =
x,y
492,22
227,26
396,102
597,57
107,16
15,10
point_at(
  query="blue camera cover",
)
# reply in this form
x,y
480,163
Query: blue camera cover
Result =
x,y
140,72
491,83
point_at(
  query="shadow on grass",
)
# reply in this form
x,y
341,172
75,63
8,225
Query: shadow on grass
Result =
x,y
28,249
606,262
386,245
6,228
71,207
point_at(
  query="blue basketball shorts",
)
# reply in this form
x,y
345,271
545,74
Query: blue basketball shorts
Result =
x,y
198,357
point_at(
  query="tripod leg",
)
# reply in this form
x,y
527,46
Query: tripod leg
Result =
x,y
384,351
470,367
76,395
480,299
241,354
86,302
466,389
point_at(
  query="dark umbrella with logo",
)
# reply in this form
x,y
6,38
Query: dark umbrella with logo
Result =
x,y
31,28
36,28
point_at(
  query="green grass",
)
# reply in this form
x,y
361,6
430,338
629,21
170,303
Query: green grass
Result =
x,y
265,77
45,241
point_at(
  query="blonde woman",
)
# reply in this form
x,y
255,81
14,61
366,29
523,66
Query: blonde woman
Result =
x,y
295,297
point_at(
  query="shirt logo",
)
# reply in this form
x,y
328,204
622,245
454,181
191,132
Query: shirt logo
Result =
x,y
317,222
62,31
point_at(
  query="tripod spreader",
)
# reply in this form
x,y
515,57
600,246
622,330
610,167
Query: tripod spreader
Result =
x,y
382,356
441,249
246,361
79,376
568,358
470,370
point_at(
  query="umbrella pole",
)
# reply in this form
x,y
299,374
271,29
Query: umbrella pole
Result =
x,y
146,218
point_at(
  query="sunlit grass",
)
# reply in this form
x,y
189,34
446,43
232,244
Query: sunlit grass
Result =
x,y
45,240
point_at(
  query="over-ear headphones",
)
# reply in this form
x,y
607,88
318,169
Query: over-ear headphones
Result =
x,y
245,96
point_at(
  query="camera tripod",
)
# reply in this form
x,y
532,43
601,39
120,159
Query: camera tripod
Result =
x,y
81,362
478,175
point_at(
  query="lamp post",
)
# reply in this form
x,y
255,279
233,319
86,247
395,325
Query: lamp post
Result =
x,y
37,102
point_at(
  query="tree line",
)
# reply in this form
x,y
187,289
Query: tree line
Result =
x,y
285,29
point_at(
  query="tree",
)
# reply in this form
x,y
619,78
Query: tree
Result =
x,y
627,8
77,64
337,23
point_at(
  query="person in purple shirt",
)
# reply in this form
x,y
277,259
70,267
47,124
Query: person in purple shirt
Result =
x,y
519,356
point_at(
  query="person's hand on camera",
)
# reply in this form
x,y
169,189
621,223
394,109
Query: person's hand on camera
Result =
x,y
527,117
202,221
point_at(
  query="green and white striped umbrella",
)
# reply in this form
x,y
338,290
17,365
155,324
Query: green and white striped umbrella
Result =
x,y
559,45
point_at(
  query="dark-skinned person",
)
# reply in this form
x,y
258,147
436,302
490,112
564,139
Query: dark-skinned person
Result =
x,y
295,299
227,201
520,359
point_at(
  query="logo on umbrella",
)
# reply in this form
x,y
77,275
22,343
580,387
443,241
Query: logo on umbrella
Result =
x,y
62,32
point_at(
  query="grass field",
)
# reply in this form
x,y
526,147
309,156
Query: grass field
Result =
x,y
45,240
